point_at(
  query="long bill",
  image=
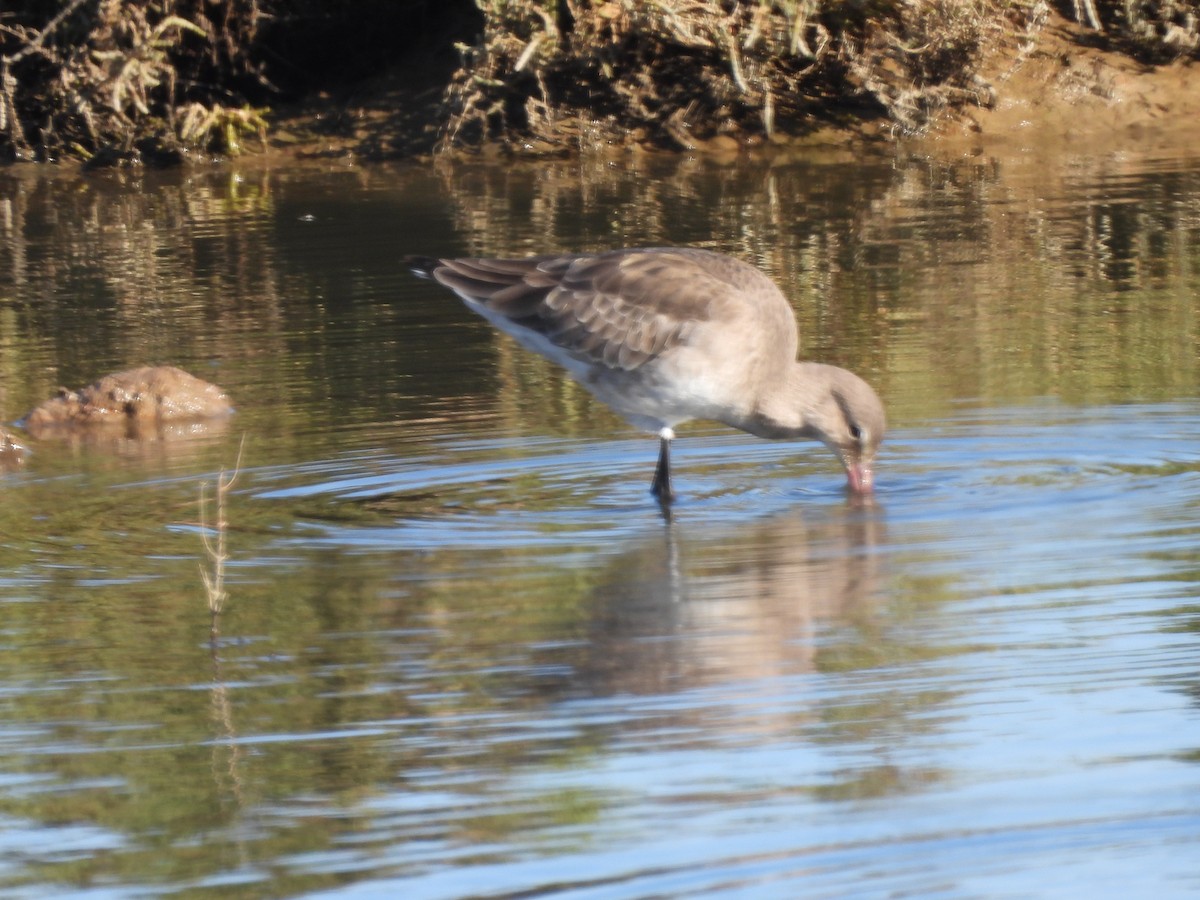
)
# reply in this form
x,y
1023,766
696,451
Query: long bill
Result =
x,y
859,477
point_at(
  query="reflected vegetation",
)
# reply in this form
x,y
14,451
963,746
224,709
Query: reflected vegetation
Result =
x,y
456,634
1005,281
449,675
1014,279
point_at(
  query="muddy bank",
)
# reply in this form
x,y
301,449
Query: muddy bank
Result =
x,y
144,82
1044,82
1064,91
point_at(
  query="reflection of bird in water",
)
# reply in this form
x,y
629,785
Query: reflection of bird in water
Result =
x,y
685,610
666,335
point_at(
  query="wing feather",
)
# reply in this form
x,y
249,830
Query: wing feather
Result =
x,y
620,309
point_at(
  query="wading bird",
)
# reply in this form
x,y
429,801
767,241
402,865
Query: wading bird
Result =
x,y
664,335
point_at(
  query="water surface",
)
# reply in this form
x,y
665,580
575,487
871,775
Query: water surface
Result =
x,y
464,655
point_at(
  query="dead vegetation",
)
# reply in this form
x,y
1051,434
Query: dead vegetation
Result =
x,y
675,73
115,81
571,74
215,547
120,80
1154,31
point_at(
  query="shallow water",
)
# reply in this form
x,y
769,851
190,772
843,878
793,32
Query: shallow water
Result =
x,y
462,652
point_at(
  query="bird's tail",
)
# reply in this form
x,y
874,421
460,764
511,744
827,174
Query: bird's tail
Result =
x,y
422,266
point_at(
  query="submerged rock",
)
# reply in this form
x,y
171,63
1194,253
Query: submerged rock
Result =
x,y
139,399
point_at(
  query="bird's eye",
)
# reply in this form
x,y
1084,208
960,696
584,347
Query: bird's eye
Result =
x,y
855,432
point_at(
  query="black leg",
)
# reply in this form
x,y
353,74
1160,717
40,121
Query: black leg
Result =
x,y
661,486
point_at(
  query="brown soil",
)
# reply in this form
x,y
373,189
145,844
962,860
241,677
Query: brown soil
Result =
x,y
1064,92
384,118
1059,91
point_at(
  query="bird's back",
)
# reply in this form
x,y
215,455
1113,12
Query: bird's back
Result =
x,y
621,309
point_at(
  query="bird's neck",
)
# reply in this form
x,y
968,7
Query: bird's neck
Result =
x,y
784,408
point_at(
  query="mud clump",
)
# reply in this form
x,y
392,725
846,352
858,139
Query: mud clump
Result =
x,y
138,399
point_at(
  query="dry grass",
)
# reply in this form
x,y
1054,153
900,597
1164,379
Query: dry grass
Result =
x,y
676,72
122,81
574,75
1157,31
215,547
118,80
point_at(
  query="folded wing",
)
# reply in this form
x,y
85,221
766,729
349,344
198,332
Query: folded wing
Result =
x,y
619,309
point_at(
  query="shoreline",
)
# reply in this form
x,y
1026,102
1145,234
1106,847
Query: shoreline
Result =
x,y
1064,92
1059,87
1051,96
